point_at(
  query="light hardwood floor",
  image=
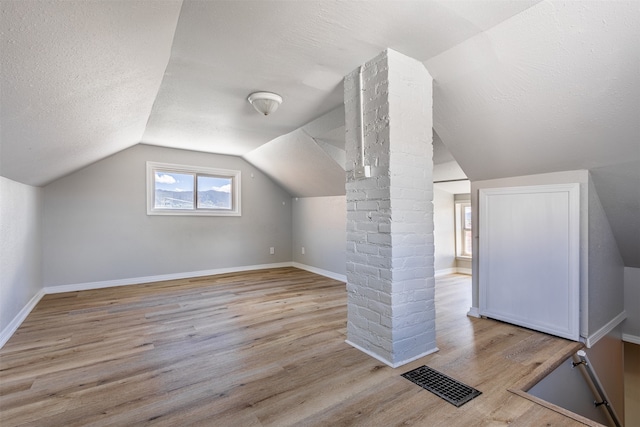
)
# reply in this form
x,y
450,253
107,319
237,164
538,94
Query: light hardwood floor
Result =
x,y
263,348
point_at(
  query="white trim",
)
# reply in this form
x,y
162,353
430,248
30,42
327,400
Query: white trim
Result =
x,y
610,326
454,270
375,356
320,271
235,175
489,285
633,339
411,359
386,362
446,271
459,229
11,328
473,312
159,278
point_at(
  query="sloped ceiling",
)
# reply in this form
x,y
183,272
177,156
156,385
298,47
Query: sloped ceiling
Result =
x,y
556,87
78,80
311,160
520,87
305,169
223,51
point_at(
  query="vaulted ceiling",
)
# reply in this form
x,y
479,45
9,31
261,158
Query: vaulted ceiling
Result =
x,y
520,87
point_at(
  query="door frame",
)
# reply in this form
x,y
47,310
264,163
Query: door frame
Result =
x,y
565,216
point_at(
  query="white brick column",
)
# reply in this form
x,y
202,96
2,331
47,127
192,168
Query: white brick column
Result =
x,y
390,272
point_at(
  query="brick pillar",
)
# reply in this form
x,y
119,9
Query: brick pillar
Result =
x,y
390,252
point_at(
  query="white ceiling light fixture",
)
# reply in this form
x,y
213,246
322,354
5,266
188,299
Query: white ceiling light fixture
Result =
x,y
265,102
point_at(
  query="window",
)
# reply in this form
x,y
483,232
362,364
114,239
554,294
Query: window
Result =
x,y
187,190
464,237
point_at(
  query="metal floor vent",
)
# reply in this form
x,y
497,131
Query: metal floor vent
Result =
x,y
441,385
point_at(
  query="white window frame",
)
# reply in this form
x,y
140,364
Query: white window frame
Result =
x,y
460,238
235,175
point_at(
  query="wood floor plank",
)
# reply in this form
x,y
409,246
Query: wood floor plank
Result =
x,y
261,348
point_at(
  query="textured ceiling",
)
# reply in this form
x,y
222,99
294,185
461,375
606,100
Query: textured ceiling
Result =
x,y
556,87
223,51
78,80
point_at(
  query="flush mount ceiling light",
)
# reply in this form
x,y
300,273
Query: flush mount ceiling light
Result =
x,y
265,102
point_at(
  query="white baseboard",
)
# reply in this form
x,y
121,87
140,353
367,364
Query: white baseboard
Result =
x,y
343,277
386,362
453,270
8,331
411,359
610,326
320,271
11,328
473,312
633,339
160,278
446,271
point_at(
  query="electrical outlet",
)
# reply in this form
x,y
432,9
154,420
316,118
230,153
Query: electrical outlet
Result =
x,y
272,250
303,250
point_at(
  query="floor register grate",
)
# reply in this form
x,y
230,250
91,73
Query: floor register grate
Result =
x,y
441,385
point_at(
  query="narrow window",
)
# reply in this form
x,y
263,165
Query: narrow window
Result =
x,y
466,229
187,190
464,236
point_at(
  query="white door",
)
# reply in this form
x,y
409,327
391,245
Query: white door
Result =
x,y
529,257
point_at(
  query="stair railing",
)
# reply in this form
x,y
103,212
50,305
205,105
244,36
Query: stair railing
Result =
x,y
581,361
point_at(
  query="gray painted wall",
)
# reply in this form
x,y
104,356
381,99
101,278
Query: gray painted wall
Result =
x,y
631,326
20,255
444,230
606,267
463,265
320,226
96,227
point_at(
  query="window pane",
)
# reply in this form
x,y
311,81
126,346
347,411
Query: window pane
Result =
x,y
467,217
173,190
467,242
214,192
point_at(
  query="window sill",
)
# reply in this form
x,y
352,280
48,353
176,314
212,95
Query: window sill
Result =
x,y
193,213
